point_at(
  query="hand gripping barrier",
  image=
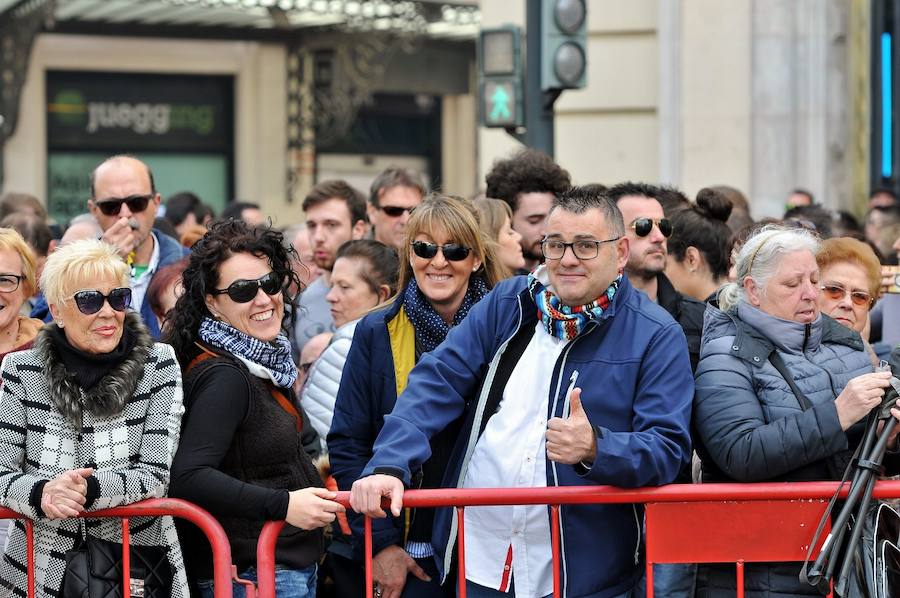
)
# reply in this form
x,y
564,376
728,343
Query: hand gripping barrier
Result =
x,y
685,523
156,507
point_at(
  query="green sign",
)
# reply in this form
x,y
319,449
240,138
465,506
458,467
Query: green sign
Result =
x,y
501,106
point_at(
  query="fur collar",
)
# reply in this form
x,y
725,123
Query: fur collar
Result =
x,y
108,397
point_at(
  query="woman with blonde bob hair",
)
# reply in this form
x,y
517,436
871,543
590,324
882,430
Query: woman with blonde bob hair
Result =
x,y
89,419
495,217
781,388
445,268
17,284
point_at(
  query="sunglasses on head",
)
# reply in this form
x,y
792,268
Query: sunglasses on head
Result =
x,y
90,301
135,203
395,211
453,252
643,226
243,291
837,293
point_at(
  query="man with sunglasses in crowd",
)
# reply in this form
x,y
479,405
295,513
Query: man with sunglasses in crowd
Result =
x,y
566,377
124,202
394,195
647,229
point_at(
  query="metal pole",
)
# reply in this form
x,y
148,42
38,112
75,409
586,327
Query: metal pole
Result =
x,y
539,124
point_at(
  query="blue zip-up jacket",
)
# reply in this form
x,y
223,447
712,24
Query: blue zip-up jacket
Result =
x,y
637,389
170,251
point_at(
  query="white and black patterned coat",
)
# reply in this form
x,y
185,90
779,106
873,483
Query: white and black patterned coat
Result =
x,y
131,452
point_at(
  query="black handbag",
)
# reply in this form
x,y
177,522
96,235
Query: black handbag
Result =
x,y
94,570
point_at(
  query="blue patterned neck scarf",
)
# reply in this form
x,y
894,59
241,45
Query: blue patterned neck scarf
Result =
x,y
562,321
274,357
431,329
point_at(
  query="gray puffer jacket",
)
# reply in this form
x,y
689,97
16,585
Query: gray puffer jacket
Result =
x,y
752,428
324,380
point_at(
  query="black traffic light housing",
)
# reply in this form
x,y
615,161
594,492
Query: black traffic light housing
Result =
x,y
563,44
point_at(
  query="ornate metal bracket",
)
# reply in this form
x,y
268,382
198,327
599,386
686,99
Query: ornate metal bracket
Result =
x,y
18,29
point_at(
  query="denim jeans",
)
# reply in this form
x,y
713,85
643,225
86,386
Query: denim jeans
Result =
x,y
473,590
289,583
673,580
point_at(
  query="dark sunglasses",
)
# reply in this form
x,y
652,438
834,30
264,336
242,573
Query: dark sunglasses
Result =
x,y
135,203
395,211
453,252
91,301
243,291
643,226
837,293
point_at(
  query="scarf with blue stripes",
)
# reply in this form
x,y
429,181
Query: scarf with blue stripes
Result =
x,y
562,321
274,358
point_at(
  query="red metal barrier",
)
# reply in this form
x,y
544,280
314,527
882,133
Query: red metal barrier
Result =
x,y
776,524
222,567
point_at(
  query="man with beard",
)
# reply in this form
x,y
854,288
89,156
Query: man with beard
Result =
x,y
335,213
528,182
647,229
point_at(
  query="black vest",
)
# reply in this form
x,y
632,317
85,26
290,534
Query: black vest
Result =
x,y
266,451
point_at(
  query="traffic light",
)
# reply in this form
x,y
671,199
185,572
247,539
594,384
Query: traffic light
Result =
x,y
500,77
563,44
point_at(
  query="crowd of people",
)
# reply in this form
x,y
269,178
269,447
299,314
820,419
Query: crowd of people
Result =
x,y
540,334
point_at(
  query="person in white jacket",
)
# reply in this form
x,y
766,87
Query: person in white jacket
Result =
x,y
364,276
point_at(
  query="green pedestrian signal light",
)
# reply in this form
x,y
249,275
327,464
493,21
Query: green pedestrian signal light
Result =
x,y
500,77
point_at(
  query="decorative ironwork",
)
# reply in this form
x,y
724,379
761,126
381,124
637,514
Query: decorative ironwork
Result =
x,y
18,29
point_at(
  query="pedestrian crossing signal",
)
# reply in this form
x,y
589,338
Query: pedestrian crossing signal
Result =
x,y
500,77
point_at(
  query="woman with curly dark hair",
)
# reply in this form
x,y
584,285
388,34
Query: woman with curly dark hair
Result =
x,y
242,458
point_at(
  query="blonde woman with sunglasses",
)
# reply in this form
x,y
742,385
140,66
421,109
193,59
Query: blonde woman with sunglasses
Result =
x,y
89,419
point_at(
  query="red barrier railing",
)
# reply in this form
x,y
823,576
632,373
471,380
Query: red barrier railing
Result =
x,y
222,567
685,523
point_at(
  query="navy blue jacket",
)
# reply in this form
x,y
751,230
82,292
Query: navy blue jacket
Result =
x,y
637,389
170,251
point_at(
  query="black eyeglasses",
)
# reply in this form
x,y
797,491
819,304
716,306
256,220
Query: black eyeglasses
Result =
x,y
243,291
10,282
584,249
90,301
135,203
453,252
643,226
395,211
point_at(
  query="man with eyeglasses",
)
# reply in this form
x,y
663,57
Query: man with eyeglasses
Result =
x,y
393,196
124,201
564,377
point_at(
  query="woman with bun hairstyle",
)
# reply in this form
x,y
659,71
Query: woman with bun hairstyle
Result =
x,y
700,246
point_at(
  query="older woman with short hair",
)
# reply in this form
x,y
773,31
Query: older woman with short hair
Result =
x,y
17,284
89,419
781,388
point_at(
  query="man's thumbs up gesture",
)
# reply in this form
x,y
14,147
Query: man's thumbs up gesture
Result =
x,y
572,440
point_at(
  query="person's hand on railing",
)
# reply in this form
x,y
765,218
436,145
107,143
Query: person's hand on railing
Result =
x,y
312,508
860,396
571,440
366,493
64,496
390,568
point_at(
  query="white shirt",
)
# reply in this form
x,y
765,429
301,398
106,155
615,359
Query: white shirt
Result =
x,y
511,453
139,285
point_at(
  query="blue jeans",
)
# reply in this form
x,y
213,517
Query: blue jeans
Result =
x,y
289,583
670,580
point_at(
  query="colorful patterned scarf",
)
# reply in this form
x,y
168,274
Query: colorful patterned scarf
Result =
x,y
431,329
562,321
274,358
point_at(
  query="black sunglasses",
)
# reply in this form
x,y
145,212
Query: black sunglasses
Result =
x,y
243,291
643,226
395,211
91,301
135,203
453,252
